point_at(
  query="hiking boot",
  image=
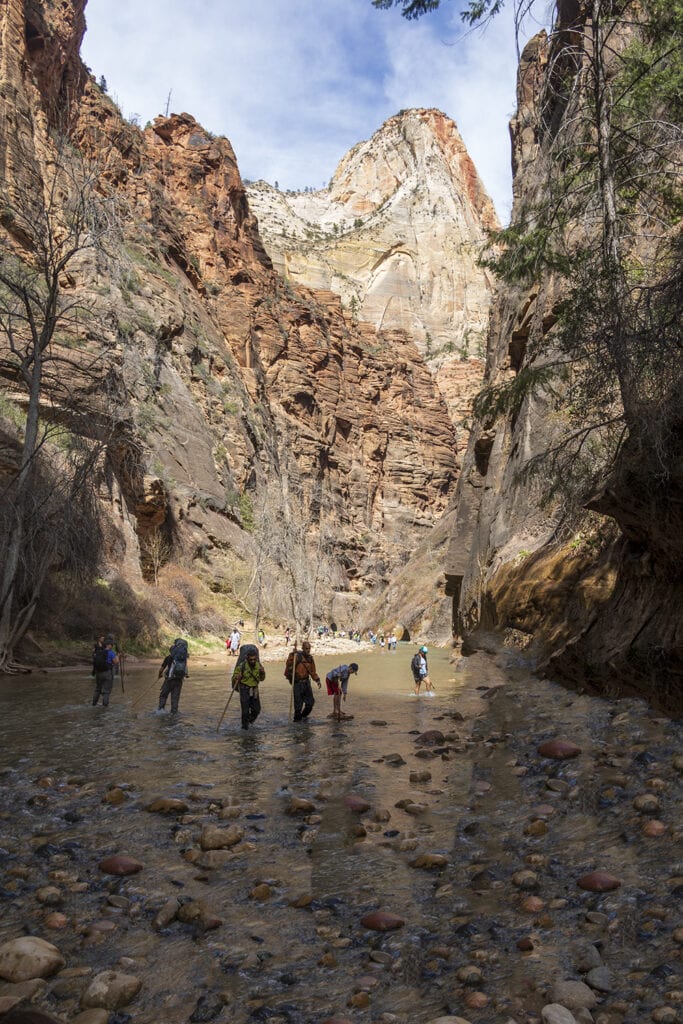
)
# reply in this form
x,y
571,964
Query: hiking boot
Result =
x,y
245,725
297,718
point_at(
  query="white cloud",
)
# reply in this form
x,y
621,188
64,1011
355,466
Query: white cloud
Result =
x,y
295,83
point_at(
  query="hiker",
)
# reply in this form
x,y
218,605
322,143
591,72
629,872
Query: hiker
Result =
x,y
235,639
174,670
418,666
302,665
246,677
262,642
337,680
104,658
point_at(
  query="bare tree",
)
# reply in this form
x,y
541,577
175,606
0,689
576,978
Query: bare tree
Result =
x,y
54,218
156,551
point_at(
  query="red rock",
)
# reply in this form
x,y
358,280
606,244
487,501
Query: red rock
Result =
x,y
525,945
598,881
120,864
382,921
559,750
654,828
356,803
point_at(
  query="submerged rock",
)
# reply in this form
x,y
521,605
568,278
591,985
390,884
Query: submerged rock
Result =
x,y
29,957
111,990
382,921
356,803
120,864
598,881
559,750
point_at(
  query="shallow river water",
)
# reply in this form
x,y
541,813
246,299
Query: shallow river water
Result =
x,y
271,926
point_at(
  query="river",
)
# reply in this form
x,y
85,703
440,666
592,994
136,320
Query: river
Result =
x,y
277,935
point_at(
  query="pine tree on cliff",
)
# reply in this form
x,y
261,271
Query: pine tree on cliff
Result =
x,y
600,242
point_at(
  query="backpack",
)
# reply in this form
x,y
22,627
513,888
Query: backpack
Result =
x,y
415,664
245,651
100,661
178,667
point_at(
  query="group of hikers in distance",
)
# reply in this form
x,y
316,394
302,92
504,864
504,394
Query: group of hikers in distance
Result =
x,y
300,672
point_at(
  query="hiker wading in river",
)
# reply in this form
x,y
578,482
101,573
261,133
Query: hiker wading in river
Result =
x,y
337,680
299,671
174,671
246,678
104,658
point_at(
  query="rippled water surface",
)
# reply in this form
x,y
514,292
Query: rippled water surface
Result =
x,y
297,951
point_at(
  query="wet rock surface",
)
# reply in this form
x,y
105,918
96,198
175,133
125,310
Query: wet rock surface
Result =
x,y
309,876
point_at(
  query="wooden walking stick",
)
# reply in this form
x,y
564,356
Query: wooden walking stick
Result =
x,y
121,670
225,708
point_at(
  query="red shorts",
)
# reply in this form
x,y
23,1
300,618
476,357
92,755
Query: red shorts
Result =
x,y
332,686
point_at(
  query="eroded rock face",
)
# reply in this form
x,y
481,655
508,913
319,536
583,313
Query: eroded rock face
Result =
x,y
225,375
601,615
396,235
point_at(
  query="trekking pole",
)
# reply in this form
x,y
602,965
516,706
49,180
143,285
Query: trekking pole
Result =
x,y
145,692
122,659
225,709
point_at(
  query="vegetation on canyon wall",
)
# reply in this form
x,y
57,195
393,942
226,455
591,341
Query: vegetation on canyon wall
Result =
x,y
48,513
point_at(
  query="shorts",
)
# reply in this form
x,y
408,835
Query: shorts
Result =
x,y
333,687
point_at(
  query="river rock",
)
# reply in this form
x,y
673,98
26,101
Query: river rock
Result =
x,y
50,896
215,838
120,864
111,990
598,881
356,803
430,738
601,979
261,892
394,759
423,776
476,1000
553,1013
559,750
92,1016
646,803
586,956
55,921
197,912
574,995
114,796
168,805
382,921
430,861
213,859
654,828
525,880
448,1020
297,805
166,914
29,957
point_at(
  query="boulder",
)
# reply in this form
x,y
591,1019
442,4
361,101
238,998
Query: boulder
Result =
x,y
111,990
29,957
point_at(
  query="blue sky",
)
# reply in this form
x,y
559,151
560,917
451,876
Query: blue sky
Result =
x,y
294,84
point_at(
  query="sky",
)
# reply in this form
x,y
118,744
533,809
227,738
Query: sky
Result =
x,y
294,84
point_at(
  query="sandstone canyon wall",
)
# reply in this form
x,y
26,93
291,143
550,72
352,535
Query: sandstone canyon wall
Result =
x,y
225,374
397,235
597,603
